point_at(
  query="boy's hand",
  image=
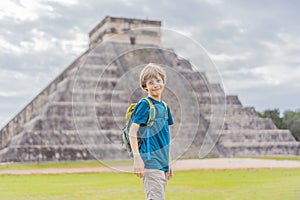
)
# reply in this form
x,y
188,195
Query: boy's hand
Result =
x,y
138,166
170,174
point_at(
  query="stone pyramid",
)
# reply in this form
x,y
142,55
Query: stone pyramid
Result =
x,y
79,115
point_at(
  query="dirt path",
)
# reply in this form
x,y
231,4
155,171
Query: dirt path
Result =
x,y
216,163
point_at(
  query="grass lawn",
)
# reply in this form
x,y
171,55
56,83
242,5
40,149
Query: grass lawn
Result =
x,y
275,184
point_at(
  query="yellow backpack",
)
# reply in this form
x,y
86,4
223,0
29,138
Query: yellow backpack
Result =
x,y
129,117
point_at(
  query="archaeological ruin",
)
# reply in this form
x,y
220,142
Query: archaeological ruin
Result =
x,y
80,114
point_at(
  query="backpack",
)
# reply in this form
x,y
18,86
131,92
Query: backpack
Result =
x,y
129,117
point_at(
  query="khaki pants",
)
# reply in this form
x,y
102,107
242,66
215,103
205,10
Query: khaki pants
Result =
x,y
154,182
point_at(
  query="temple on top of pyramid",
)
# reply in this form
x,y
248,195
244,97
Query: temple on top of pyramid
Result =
x,y
79,115
148,31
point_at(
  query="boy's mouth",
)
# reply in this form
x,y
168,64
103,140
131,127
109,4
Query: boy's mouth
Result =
x,y
154,90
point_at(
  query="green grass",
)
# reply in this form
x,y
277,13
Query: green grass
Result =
x,y
275,184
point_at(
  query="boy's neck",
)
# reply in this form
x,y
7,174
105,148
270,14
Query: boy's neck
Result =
x,y
157,98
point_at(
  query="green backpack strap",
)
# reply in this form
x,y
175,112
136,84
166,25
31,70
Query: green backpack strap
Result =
x,y
129,112
152,113
166,113
166,105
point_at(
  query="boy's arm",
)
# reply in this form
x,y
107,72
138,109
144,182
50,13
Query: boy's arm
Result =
x,y
170,172
138,164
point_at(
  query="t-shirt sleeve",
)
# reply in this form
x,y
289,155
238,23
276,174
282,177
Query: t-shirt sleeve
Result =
x,y
170,118
141,113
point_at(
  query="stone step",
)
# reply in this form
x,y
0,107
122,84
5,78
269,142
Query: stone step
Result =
x,y
75,132
77,137
236,113
251,131
198,87
230,109
183,64
243,117
94,58
241,111
98,71
250,136
261,148
261,144
209,100
100,92
88,83
208,107
68,90
100,95
70,109
192,75
209,95
35,153
239,122
233,100
88,123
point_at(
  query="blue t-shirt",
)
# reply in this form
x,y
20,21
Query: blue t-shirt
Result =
x,y
154,148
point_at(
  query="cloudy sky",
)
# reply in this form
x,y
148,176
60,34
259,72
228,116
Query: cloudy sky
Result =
x,y
255,44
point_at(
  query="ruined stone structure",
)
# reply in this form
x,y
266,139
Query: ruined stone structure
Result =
x,y
59,124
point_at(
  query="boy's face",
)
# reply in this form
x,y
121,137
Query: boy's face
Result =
x,y
155,86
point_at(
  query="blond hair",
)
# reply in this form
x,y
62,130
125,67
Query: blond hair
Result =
x,y
151,71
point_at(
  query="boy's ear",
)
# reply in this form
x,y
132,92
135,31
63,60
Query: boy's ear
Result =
x,y
145,88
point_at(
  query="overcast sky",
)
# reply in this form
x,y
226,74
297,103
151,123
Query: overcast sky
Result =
x,y
255,44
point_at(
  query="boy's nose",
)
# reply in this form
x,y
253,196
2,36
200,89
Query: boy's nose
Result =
x,y
156,85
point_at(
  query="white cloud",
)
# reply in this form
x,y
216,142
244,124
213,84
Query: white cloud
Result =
x,y
64,2
77,44
8,94
277,74
6,47
20,11
211,2
16,11
283,46
18,83
224,57
268,77
40,41
233,22
226,22
260,76
30,10
239,79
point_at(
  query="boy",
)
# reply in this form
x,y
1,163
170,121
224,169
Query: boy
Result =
x,y
151,159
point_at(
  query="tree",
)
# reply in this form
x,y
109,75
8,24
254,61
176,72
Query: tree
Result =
x,y
291,119
274,114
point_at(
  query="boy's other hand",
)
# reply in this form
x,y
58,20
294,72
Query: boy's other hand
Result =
x,y
170,174
138,166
